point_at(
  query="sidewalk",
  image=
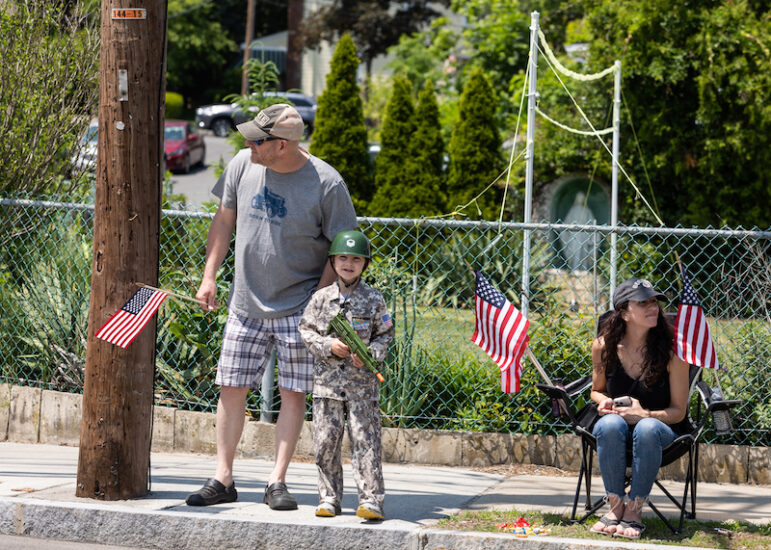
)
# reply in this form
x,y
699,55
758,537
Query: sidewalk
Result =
x,y
37,487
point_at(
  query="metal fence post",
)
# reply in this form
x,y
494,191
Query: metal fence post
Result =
x,y
266,389
530,143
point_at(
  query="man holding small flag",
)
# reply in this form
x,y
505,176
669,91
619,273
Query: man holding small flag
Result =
x,y
501,331
285,206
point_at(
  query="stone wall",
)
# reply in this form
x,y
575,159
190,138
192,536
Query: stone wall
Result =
x,y
32,415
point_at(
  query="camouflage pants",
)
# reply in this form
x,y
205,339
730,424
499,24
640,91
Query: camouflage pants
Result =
x,y
329,417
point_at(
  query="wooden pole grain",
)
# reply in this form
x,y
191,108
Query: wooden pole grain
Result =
x,y
116,424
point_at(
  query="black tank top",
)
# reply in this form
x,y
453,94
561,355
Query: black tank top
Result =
x,y
655,398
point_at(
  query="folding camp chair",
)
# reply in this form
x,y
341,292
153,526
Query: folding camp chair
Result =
x,y
682,445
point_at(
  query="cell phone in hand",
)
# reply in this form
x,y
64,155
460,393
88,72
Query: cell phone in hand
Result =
x,y
624,401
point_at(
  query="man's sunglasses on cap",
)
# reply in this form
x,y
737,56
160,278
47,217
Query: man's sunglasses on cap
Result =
x,y
259,142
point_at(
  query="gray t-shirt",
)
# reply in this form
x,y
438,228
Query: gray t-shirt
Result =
x,y
284,226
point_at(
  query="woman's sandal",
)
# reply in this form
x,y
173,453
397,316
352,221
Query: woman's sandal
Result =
x,y
607,522
633,525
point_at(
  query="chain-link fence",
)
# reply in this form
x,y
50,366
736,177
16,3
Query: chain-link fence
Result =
x,y
435,377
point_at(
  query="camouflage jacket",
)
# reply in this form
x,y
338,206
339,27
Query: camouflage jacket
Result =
x,y
366,311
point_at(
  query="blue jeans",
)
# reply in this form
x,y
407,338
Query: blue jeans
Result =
x,y
649,437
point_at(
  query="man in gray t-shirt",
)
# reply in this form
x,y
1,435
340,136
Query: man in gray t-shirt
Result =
x,y
286,206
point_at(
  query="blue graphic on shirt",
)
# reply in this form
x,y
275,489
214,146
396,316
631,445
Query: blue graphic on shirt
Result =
x,y
271,203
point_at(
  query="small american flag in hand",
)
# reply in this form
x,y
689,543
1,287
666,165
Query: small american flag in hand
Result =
x,y
128,322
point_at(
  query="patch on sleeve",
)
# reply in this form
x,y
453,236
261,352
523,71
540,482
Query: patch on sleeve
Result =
x,y
387,320
360,324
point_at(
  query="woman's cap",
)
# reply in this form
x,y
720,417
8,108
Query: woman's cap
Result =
x,y
638,290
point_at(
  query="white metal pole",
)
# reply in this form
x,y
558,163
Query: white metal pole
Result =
x,y
266,389
532,97
614,177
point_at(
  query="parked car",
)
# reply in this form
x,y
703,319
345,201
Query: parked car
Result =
x,y
84,159
221,118
184,146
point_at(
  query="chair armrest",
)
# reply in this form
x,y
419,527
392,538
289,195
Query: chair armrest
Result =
x,y
723,404
555,392
712,404
564,396
579,386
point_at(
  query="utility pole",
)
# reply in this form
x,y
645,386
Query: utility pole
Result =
x,y
247,46
116,425
294,45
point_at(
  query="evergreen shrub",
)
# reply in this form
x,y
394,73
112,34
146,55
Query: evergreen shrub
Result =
x,y
339,136
409,168
475,150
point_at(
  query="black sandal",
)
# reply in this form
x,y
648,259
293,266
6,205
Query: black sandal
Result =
x,y
607,522
633,525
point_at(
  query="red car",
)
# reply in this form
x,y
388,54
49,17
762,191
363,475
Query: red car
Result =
x,y
184,146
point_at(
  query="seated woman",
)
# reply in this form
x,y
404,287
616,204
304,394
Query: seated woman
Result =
x,y
633,356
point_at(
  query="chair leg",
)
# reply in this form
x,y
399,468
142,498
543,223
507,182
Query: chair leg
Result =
x,y
694,480
596,506
665,520
683,504
688,478
586,470
578,491
589,455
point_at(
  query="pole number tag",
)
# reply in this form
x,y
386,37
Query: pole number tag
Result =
x,y
129,13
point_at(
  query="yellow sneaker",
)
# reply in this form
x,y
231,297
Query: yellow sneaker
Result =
x,y
370,511
327,510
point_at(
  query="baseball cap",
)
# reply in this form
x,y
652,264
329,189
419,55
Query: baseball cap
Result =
x,y
280,120
638,290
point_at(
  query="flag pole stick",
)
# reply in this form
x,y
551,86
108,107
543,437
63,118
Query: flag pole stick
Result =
x,y
170,293
563,406
538,366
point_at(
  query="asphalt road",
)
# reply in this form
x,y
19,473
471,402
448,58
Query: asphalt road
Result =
x,y
196,185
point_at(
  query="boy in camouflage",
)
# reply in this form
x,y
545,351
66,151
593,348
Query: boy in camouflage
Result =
x,y
342,388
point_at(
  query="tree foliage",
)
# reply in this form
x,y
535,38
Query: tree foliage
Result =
x,y
198,49
409,167
395,137
48,92
475,150
374,25
427,55
697,82
262,77
339,136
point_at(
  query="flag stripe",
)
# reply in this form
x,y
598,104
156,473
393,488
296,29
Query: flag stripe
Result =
x,y
500,352
501,331
142,319
693,341
123,327
514,331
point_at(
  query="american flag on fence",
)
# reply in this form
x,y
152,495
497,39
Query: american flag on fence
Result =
x,y
693,342
501,331
128,322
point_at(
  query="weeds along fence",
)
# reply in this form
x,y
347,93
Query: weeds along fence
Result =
x,y
435,376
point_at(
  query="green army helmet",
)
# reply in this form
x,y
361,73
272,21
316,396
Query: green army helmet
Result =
x,y
351,243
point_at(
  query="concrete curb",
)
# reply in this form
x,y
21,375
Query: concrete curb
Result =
x,y
118,525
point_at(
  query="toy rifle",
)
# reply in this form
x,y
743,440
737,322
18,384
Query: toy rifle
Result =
x,y
349,337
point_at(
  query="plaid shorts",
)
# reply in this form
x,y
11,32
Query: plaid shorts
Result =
x,y
247,345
